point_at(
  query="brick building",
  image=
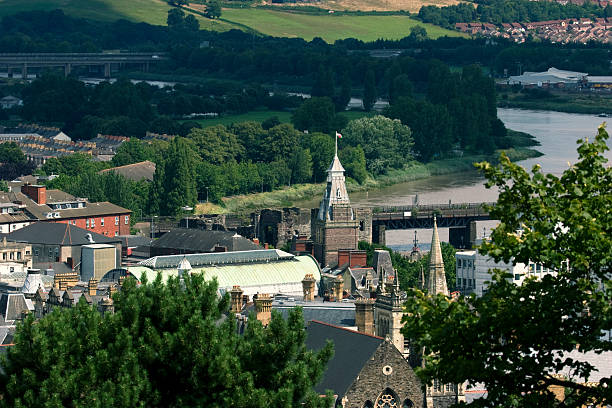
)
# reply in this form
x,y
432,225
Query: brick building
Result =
x,y
335,226
38,203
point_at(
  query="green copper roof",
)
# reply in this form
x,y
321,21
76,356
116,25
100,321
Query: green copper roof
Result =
x,y
271,274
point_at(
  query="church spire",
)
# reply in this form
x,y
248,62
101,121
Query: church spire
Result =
x,y
436,279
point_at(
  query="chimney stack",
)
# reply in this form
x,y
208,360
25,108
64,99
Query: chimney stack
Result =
x,y
236,299
35,192
106,305
364,315
308,287
338,288
92,287
263,308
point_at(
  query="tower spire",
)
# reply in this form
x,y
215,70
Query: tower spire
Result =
x,y
436,279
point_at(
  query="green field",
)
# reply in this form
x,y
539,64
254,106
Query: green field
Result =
x,y
330,27
260,116
148,11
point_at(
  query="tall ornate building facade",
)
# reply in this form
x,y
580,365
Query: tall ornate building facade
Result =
x,y
335,226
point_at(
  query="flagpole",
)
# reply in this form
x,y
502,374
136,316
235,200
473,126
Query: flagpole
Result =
x,y
336,143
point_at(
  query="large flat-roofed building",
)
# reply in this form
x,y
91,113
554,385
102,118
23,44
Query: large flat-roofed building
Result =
x,y
270,271
196,241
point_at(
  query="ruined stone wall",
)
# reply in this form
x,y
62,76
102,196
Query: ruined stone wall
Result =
x,y
278,226
364,216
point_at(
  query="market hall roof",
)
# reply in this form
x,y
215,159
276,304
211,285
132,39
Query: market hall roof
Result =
x,y
259,271
52,233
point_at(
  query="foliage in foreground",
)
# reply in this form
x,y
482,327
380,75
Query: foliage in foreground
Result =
x,y
513,339
166,345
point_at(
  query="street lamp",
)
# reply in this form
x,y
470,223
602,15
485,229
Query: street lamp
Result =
x,y
187,208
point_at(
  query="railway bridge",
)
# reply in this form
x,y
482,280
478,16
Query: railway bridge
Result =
x,y
456,217
108,60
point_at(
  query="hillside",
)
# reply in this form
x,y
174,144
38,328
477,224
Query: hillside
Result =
x,y
270,22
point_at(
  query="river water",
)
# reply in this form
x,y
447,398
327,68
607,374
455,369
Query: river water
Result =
x,y
556,131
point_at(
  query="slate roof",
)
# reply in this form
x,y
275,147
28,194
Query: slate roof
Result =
x,y
11,306
335,313
352,350
136,171
195,240
132,241
52,233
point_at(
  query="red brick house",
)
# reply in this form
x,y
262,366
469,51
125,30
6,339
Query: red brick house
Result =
x,y
40,204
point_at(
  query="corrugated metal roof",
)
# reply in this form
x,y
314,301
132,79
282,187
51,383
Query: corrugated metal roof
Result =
x,y
281,276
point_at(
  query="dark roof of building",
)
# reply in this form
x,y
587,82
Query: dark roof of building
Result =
x,y
352,350
136,171
336,313
51,233
133,241
195,240
12,305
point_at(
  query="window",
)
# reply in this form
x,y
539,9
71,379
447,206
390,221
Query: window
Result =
x,y
36,252
19,255
116,233
102,221
87,223
517,276
50,252
93,222
12,255
4,256
117,220
127,219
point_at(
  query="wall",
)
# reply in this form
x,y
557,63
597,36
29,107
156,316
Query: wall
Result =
x,y
109,229
277,227
13,226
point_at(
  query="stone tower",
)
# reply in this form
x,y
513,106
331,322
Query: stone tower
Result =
x,y
335,225
436,278
388,313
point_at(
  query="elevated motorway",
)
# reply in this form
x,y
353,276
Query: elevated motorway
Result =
x,y
456,217
23,61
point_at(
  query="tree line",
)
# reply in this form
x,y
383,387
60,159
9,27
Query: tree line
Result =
x,y
510,11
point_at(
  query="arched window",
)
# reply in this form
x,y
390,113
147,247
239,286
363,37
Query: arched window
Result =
x,y
407,404
368,404
387,399
338,193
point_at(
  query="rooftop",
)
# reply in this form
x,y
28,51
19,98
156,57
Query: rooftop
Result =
x,y
51,233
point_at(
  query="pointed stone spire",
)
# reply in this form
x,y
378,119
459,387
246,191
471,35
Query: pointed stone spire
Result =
x,y
436,279
336,192
380,289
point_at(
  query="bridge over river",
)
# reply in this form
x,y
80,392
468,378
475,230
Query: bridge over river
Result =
x,y
456,217
108,60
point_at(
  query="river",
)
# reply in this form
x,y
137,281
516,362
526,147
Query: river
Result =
x,y
556,131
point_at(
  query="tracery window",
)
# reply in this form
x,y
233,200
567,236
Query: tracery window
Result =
x,y
387,400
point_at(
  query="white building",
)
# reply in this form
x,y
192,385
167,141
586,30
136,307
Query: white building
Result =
x,y
473,271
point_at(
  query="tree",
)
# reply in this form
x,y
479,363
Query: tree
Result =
x,y
386,142
514,338
324,83
321,148
315,115
13,162
354,162
168,344
216,144
213,9
301,166
369,90
179,181
175,18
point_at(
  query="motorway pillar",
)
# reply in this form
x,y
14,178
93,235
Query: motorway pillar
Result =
x,y
9,72
24,71
67,69
107,70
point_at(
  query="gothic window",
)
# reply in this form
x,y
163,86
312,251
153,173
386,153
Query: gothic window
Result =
x,y
437,386
368,404
338,193
449,387
407,404
387,399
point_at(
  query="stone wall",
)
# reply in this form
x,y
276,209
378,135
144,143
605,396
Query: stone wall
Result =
x,y
278,226
364,216
387,371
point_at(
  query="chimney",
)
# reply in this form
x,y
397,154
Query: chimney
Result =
x,y
308,287
263,308
35,192
106,305
338,288
112,289
236,299
92,287
343,257
63,285
121,280
256,241
364,315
